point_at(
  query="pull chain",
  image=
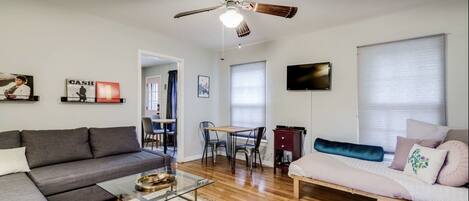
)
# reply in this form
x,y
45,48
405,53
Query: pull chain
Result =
x,y
222,42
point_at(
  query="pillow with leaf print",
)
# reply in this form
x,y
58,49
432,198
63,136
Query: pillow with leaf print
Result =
x,y
425,163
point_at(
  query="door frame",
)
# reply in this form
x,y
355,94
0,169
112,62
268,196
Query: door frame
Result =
x,y
180,100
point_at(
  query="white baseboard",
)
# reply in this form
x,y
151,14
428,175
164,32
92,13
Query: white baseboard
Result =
x,y
240,156
192,158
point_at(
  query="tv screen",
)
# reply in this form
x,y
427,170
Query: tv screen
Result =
x,y
309,76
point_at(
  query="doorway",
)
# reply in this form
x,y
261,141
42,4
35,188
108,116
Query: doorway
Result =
x,y
160,106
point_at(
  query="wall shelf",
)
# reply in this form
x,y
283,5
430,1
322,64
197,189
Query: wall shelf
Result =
x,y
34,99
66,100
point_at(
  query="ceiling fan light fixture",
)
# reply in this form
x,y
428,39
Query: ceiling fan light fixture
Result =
x,y
231,18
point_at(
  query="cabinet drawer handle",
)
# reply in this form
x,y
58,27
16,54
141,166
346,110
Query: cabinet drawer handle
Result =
x,y
283,146
283,138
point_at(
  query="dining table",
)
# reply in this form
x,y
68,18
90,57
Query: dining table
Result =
x,y
165,123
231,132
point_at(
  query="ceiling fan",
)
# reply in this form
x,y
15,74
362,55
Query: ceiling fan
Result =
x,y
233,19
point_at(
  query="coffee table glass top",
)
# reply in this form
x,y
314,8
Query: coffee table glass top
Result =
x,y
124,187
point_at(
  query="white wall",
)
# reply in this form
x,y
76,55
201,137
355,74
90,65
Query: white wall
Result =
x,y
162,71
52,44
333,114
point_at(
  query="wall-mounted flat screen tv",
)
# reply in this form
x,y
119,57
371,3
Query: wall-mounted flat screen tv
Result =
x,y
315,76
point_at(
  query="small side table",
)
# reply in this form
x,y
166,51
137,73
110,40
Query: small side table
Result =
x,y
286,139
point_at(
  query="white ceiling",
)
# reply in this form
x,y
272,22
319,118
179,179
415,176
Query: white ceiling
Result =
x,y
148,61
205,29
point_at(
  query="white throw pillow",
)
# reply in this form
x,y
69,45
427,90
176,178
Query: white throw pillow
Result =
x,y
13,161
425,163
424,131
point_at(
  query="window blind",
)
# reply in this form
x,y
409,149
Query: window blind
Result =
x,y
248,94
399,81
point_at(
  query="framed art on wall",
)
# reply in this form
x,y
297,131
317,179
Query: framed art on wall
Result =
x,y
107,92
203,86
16,87
81,90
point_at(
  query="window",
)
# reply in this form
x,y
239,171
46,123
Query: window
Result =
x,y
248,95
399,81
152,95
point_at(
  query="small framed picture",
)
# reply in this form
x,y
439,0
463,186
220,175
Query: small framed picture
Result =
x,y
203,86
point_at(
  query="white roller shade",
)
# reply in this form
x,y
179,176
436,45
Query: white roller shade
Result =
x,y
248,95
398,81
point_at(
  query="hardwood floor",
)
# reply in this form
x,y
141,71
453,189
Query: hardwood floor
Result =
x,y
262,186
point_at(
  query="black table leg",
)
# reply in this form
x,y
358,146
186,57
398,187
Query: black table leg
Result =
x,y
143,137
233,153
165,137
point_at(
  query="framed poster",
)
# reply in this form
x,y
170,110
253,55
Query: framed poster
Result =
x,y
16,87
203,86
81,90
107,92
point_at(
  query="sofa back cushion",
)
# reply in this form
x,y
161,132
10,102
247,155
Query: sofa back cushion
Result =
x,y
113,141
10,139
47,147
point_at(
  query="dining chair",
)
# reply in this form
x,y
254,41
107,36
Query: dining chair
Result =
x,y
173,135
158,129
209,142
251,151
151,135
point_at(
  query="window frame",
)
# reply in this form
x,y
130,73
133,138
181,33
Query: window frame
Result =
x,y
245,137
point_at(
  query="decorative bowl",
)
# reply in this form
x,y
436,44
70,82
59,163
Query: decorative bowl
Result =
x,y
155,182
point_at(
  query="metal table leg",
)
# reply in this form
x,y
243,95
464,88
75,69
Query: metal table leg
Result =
x,y
165,138
233,153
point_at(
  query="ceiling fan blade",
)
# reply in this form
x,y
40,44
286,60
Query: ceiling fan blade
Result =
x,y
243,30
197,11
277,10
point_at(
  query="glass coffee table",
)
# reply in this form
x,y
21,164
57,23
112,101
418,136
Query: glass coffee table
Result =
x,y
124,188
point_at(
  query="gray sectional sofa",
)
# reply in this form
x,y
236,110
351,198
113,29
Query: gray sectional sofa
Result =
x,y
67,164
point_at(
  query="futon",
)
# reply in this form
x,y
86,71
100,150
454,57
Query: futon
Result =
x,y
371,177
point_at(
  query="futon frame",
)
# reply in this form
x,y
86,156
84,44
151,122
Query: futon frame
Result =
x,y
297,188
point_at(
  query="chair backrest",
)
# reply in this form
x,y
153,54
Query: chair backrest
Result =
x,y
205,133
147,125
259,134
156,126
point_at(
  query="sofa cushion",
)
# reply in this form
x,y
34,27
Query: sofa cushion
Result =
x,y
458,134
47,147
19,187
10,139
425,163
13,161
90,193
78,174
112,141
455,170
403,147
423,130
358,151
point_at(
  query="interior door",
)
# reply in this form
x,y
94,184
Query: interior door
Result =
x,y
152,95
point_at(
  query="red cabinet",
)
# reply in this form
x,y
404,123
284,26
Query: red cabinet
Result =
x,y
286,140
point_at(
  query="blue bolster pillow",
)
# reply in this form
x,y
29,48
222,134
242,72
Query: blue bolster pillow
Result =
x,y
364,152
